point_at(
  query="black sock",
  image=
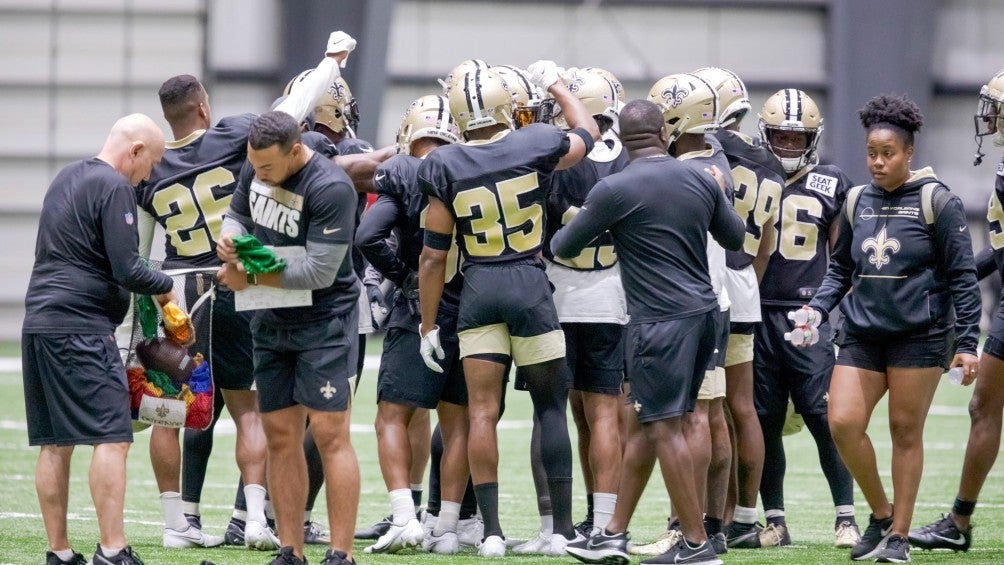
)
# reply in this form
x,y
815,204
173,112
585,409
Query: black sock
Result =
x,y
197,447
416,497
469,505
712,526
488,501
774,462
561,506
776,520
841,519
589,506
963,507
435,460
240,503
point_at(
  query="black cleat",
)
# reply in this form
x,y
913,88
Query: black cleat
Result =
x,y
52,559
743,536
896,550
683,552
873,540
376,530
942,534
124,557
602,547
285,556
235,532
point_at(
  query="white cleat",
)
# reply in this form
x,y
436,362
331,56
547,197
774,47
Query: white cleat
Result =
x,y
191,537
556,547
493,546
539,545
428,523
258,535
398,538
470,532
446,544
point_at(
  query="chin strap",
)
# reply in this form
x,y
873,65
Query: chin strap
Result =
x,y
978,158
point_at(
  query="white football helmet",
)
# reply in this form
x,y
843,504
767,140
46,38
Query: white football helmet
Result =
x,y
688,103
988,118
428,116
733,99
481,98
791,110
596,93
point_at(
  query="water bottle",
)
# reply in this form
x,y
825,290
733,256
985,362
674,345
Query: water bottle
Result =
x,y
803,335
955,375
805,317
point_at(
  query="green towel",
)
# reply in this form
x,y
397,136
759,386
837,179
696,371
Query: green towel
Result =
x,y
256,259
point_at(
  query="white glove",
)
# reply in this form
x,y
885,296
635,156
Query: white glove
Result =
x,y
544,73
431,349
339,42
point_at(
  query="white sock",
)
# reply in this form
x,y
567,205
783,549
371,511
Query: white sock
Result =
x,y
449,514
845,511
190,508
547,524
241,515
255,497
113,551
64,554
306,516
269,510
174,517
603,508
402,507
744,515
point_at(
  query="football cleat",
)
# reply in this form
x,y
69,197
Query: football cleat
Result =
x,y
235,532
190,537
846,535
124,557
493,546
259,536
601,547
538,545
470,531
445,544
337,557
775,535
314,534
558,543
398,538
376,530
668,539
743,536
942,534
683,552
52,559
285,556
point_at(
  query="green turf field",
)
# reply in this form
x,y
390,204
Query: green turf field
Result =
x,y
809,509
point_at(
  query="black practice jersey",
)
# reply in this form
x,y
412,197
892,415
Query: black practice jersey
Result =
x,y
812,199
758,178
995,217
569,191
354,146
659,211
497,190
190,190
315,204
86,257
401,207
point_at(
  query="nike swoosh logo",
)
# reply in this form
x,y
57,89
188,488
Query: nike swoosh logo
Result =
x,y
379,177
963,228
961,540
329,231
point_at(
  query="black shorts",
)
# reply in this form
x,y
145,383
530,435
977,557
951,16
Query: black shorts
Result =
x,y
994,346
667,361
926,350
595,354
404,379
314,365
507,309
723,328
75,390
782,371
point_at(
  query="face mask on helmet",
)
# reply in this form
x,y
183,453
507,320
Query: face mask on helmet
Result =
x,y
337,109
733,99
790,126
596,93
480,99
428,116
531,106
688,104
988,119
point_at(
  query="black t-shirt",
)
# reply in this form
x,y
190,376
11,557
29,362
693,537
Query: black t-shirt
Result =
x,y
315,204
190,190
659,211
497,190
86,258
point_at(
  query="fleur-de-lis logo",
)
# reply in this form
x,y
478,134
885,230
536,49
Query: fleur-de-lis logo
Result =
x,y
328,391
575,83
675,95
337,90
163,411
882,246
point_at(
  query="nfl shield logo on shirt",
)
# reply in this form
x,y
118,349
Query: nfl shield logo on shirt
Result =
x,y
129,218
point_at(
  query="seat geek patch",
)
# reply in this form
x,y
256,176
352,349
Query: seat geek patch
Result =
x,y
822,184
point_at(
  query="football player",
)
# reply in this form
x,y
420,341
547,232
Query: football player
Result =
x,y
659,211
954,530
591,308
402,389
492,189
187,194
790,126
758,178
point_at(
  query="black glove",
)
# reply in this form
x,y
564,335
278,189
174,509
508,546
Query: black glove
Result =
x,y
409,292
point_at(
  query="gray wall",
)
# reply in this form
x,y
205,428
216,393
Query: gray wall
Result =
x,y
70,67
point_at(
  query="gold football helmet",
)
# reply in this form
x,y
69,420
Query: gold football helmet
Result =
x,y
733,99
531,104
459,71
791,110
480,99
610,77
688,104
988,118
597,94
336,109
428,116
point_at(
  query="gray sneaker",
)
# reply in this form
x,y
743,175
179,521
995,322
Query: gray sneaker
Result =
x,y
601,547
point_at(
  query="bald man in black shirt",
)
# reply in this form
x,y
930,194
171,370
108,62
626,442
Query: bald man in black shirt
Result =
x,y
659,211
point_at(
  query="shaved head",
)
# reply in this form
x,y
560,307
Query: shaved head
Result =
x,y
134,145
642,126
